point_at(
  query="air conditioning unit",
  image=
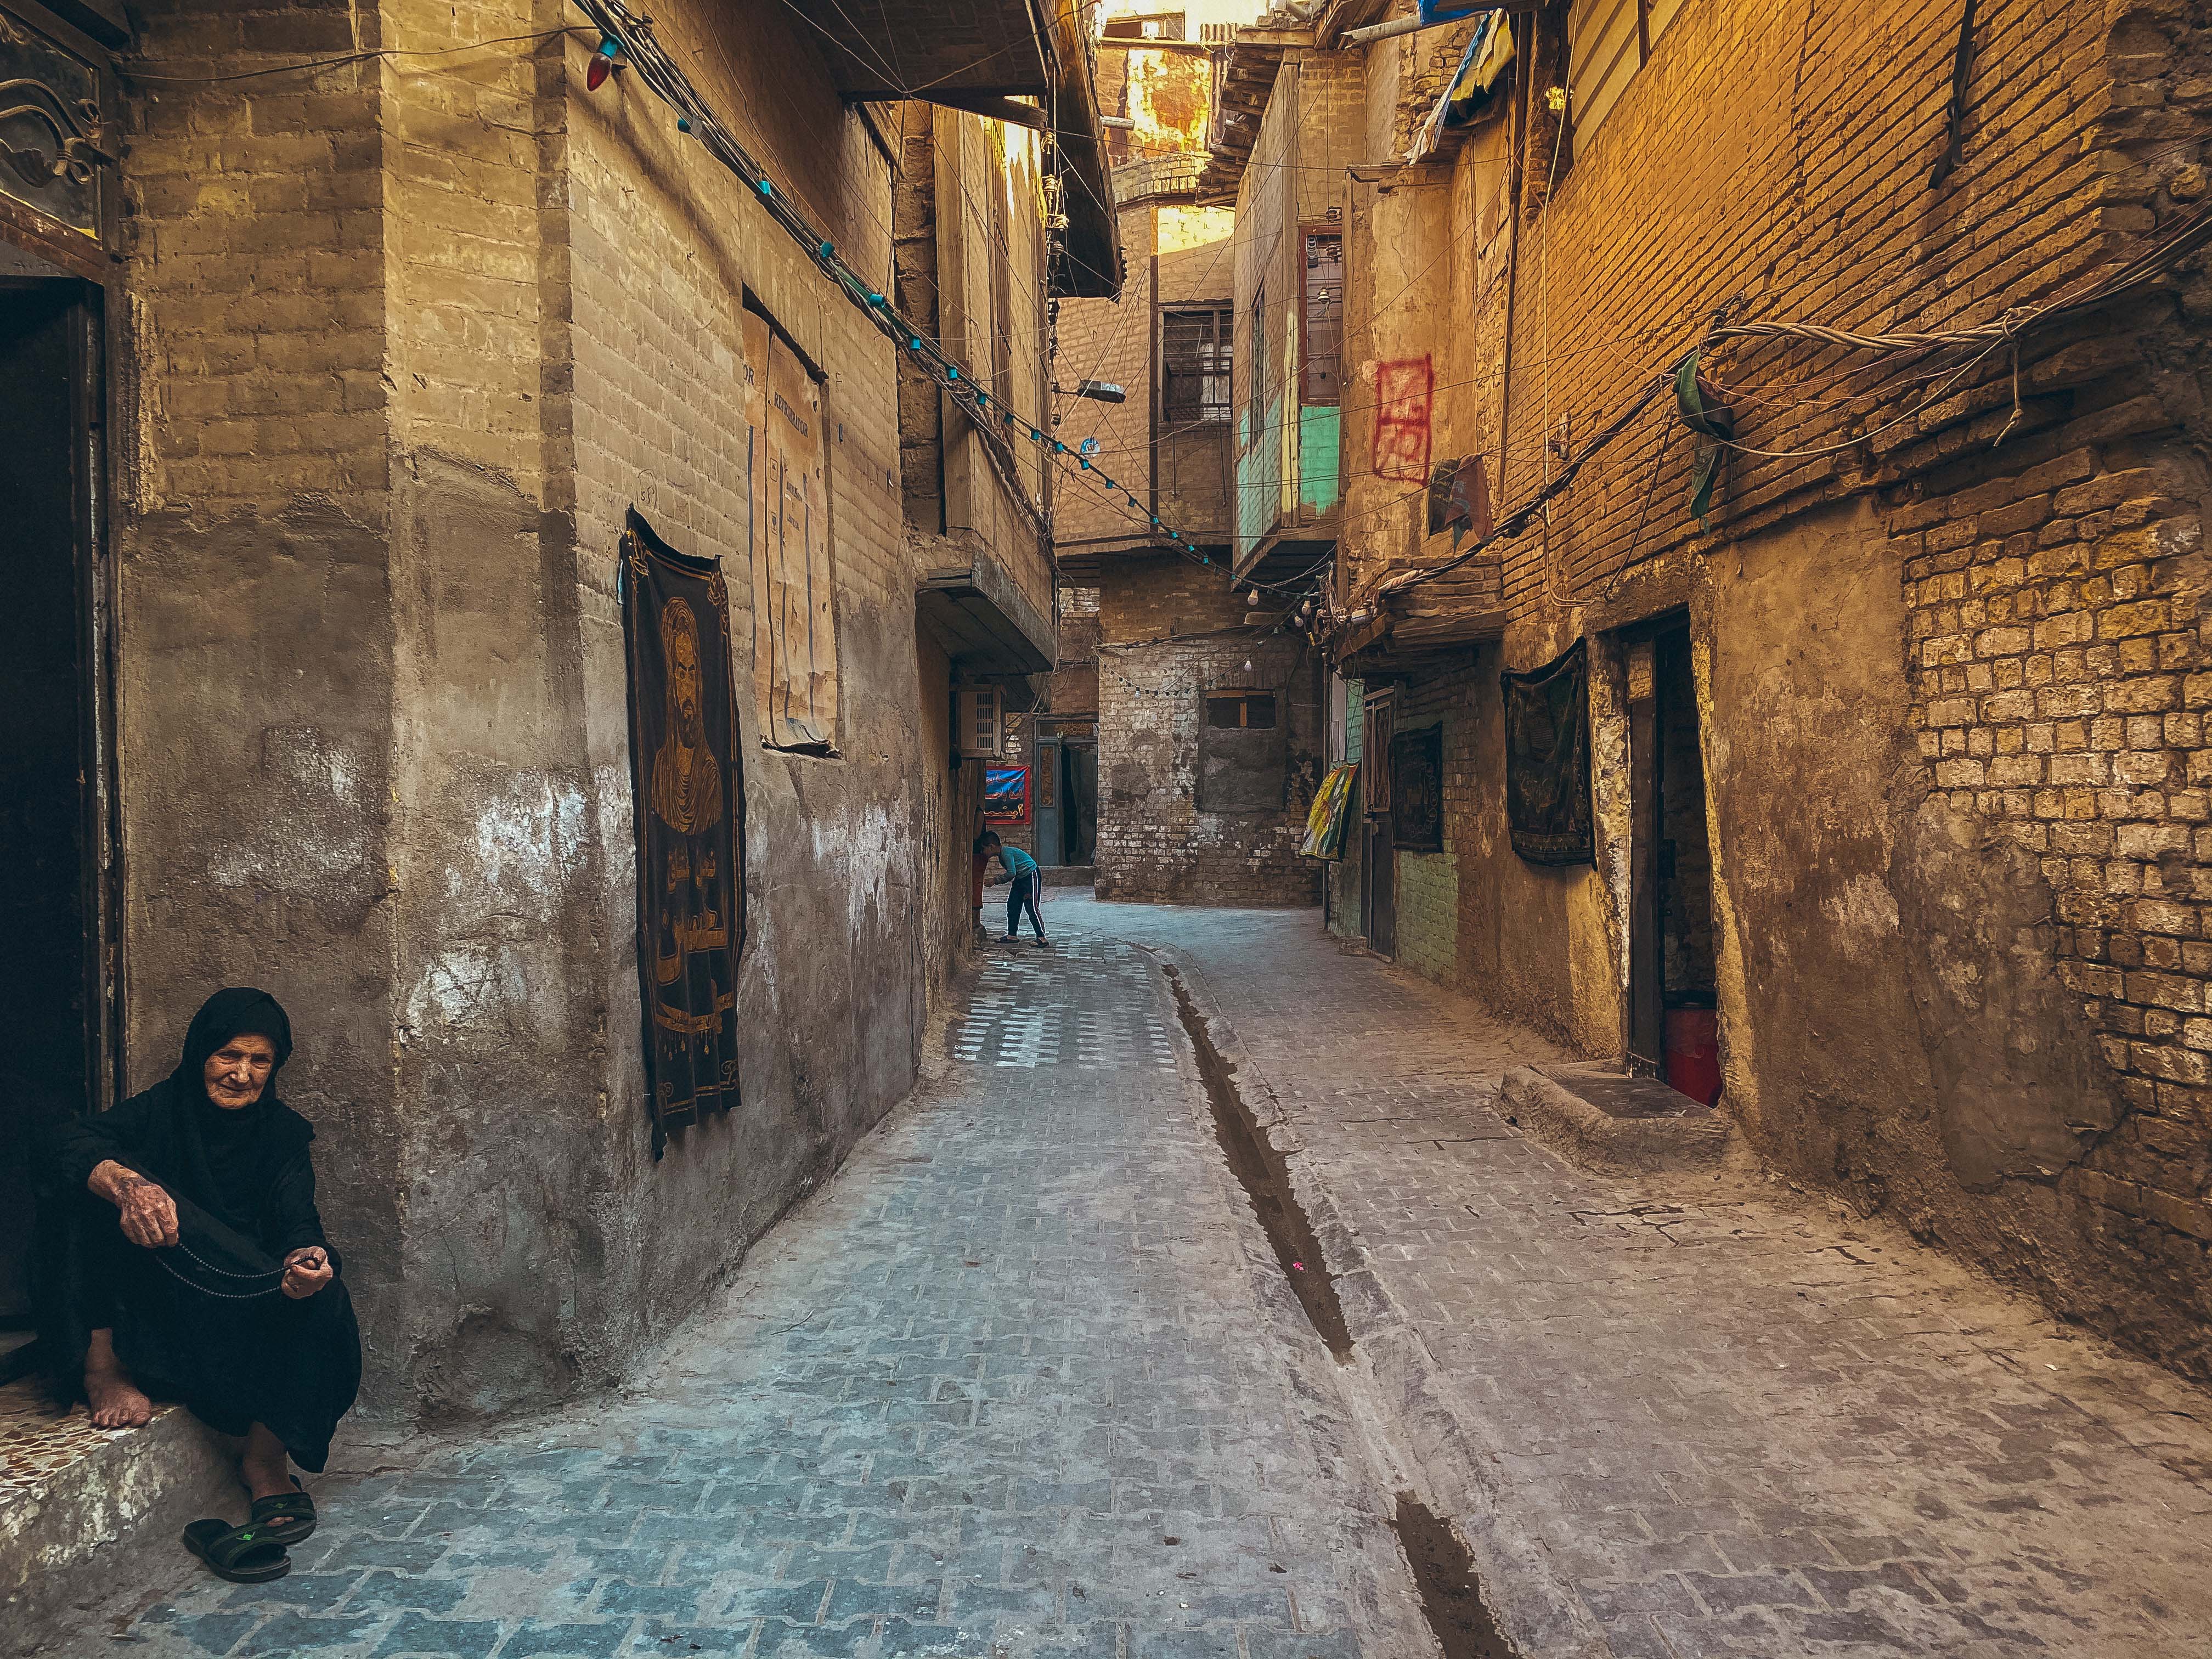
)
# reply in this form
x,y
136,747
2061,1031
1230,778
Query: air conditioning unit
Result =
x,y
981,733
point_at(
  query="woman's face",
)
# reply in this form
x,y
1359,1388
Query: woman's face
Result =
x,y
237,1072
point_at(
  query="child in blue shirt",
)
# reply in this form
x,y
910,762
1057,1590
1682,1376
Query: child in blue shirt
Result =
x,y
1022,895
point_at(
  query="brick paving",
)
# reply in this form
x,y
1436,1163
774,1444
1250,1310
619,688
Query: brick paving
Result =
x,y
1731,1421
1007,1386
961,1402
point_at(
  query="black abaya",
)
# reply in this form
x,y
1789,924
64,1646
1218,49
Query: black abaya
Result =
x,y
205,1320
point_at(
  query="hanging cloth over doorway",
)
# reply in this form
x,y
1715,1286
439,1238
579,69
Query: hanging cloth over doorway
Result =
x,y
1547,767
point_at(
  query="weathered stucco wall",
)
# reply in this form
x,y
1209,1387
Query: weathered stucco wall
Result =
x,y
406,346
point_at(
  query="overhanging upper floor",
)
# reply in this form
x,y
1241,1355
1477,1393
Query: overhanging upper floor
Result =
x,y
979,54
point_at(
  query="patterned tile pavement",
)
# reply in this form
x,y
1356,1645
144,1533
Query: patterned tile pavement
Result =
x,y
1004,1388
1733,1419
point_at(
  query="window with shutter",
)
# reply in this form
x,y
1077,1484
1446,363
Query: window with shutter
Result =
x,y
1194,363
1322,378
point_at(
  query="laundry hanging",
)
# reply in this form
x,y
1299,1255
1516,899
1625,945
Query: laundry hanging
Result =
x,y
1467,93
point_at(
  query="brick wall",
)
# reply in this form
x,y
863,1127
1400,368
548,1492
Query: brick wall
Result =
x,y
405,343
1312,128
1153,840
2005,595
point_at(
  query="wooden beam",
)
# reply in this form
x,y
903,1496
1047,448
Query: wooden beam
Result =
x,y
995,109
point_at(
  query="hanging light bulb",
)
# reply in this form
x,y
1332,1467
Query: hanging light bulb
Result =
x,y
1253,598
603,63
1247,664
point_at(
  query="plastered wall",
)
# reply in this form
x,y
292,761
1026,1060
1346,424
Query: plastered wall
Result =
x,y
403,344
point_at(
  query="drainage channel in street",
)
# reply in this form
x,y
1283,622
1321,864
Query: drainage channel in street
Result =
x,y
1266,1179
1444,1572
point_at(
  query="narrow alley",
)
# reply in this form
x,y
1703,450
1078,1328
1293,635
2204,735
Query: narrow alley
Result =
x,y
1024,1378
1574,635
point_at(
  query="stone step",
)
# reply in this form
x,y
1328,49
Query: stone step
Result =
x,y
70,1493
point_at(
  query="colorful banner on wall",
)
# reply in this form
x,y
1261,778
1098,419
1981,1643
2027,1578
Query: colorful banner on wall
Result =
x,y
1547,761
687,790
1326,818
1006,794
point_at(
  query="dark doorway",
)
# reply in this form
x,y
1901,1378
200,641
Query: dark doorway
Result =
x,y
1673,1017
53,1028
1065,797
1078,763
1378,868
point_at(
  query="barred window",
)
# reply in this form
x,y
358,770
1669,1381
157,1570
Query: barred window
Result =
x,y
1195,364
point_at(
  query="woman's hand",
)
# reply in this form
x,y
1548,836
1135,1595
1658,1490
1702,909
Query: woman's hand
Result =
x,y
307,1270
149,1215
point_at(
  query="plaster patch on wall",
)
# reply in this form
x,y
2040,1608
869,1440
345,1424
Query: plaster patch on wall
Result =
x,y
2017,1075
309,834
1862,912
470,985
529,843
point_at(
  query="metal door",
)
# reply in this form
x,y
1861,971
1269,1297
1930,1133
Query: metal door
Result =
x,y
1050,804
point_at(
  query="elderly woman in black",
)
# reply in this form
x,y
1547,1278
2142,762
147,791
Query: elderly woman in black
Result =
x,y
194,1265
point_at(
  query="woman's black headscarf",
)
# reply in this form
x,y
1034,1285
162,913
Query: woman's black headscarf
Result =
x,y
239,1011
234,1150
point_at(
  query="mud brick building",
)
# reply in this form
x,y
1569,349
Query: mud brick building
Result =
x,y
1208,712
338,343
1896,752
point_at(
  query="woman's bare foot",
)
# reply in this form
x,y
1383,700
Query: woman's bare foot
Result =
x,y
117,1402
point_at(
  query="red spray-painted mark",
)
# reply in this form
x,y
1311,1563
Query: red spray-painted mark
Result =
x,y
1403,391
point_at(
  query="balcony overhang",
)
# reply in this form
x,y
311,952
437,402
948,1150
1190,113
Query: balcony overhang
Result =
x,y
985,624
1420,628
975,55
995,48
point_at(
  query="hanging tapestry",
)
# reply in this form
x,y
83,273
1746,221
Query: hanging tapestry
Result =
x,y
1547,767
1325,818
1007,794
1417,783
689,799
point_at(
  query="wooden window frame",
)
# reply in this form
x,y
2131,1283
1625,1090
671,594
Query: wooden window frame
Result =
x,y
1223,342
1306,233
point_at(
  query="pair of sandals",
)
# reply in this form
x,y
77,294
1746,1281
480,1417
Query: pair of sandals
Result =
x,y
255,1552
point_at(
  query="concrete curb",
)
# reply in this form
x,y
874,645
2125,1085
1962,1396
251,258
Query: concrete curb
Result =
x,y
1588,1136
1444,1438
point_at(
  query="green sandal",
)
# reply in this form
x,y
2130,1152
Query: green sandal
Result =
x,y
288,1517
244,1555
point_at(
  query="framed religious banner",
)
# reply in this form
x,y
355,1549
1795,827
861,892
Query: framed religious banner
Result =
x,y
1007,794
689,799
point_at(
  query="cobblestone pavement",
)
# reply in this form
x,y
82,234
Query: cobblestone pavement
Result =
x,y
1009,1385
1732,1420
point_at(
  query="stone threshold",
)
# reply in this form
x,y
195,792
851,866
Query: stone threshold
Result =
x,y
72,1496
